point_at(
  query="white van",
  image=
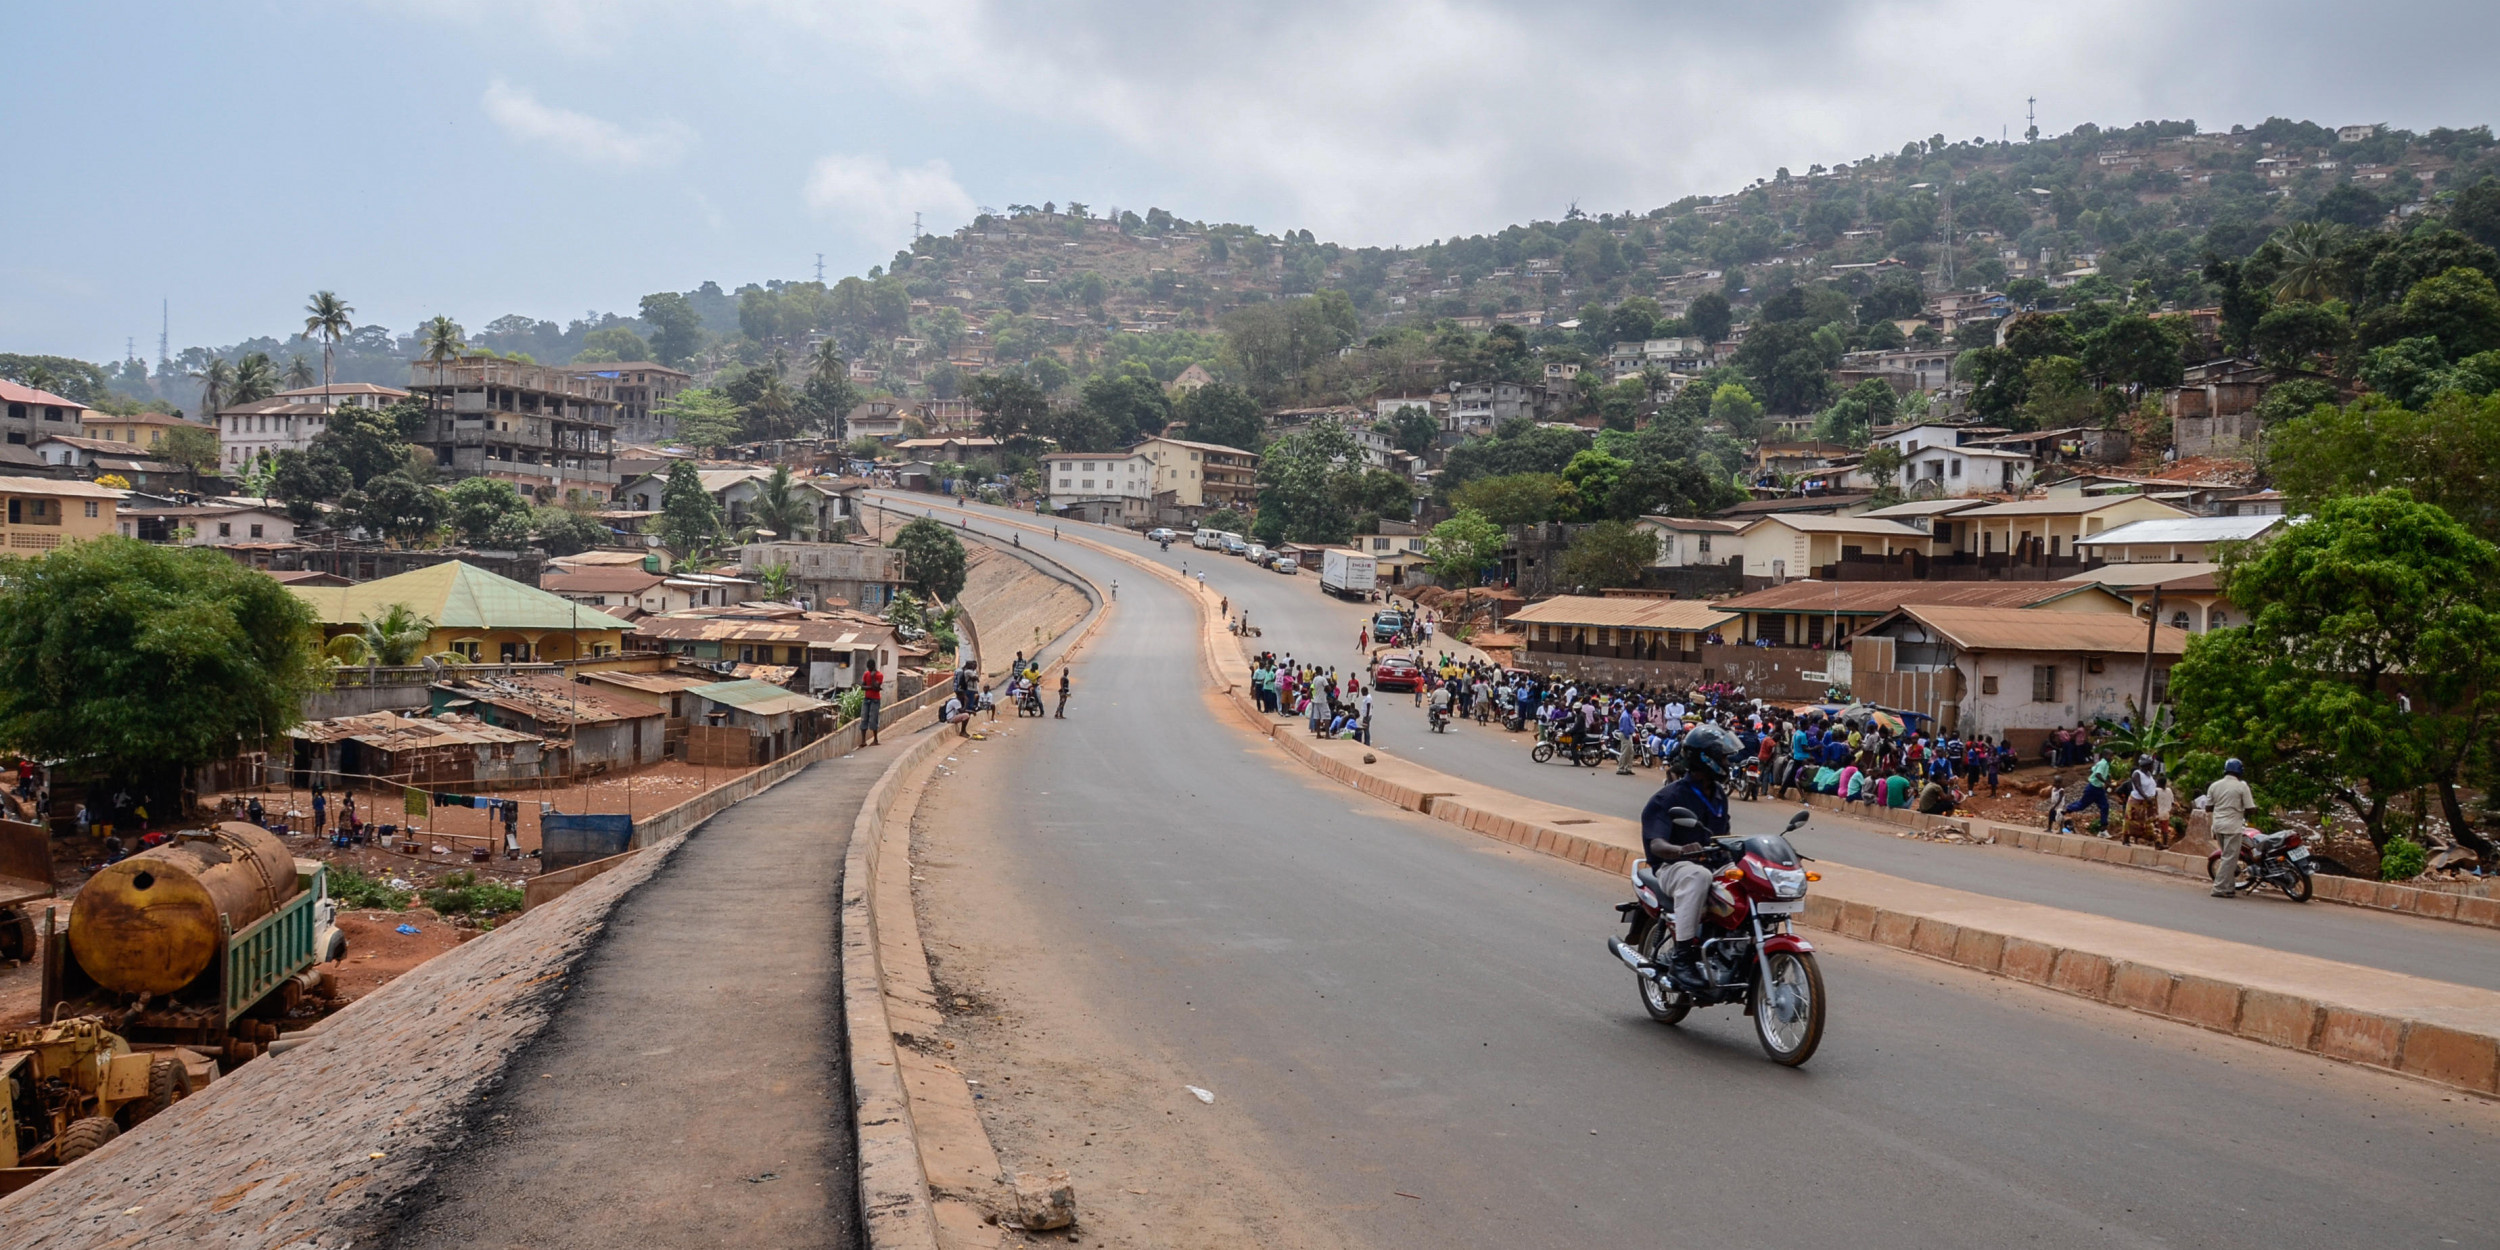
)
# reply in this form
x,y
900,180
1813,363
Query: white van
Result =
x,y
1207,540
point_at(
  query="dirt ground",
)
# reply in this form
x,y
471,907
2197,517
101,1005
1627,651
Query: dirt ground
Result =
x,y
1063,1086
650,790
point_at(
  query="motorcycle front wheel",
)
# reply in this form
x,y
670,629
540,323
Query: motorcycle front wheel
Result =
x,y
1788,1010
1590,755
1664,1003
1542,752
2296,886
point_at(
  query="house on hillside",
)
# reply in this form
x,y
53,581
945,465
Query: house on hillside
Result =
x,y
831,574
41,513
488,619
2011,672
1828,614
641,389
28,416
2193,539
289,420
588,729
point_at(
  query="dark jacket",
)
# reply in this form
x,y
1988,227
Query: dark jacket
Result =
x,y
1656,826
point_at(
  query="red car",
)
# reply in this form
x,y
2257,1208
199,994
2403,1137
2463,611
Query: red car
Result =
x,y
1397,673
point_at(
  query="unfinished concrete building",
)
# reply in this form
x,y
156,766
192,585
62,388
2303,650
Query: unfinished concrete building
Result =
x,y
548,431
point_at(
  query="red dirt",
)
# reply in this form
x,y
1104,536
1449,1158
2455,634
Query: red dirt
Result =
x,y
377,952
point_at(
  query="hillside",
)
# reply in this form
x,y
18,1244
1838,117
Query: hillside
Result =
x,y
1062,293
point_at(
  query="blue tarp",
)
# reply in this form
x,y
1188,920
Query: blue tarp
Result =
x,y
565,841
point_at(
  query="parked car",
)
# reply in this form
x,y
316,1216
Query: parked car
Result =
x,y
1235,544
1387,624
1161,535
1254,553
1397,673
1285,564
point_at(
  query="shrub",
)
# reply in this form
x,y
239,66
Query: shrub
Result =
x,y
462,893
2402,859
354,889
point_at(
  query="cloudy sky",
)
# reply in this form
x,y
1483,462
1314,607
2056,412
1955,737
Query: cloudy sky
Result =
x,y
550,157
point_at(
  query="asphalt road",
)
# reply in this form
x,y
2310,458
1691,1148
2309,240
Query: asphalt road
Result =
x,y
1296,618
1405,1009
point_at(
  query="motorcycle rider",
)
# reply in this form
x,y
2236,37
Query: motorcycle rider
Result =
x,y
1708,753
2230,801
1440,703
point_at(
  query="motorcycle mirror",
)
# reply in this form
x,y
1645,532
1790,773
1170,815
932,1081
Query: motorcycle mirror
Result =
x,y
1796,822
1682,818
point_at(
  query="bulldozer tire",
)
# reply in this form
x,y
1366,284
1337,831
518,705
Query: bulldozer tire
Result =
x,y
83,1138
168,1083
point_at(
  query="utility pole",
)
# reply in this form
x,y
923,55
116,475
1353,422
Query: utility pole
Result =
x,y
1948,237
2152,632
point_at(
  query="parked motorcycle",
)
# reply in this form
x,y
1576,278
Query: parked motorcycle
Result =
x,y
1749,781
1749,954
2279,859
1585,752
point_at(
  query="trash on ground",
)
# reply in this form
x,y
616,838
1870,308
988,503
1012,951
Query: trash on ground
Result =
x,y
409,929
1204,1095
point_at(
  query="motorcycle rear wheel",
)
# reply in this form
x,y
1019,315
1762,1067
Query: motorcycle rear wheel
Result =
x,y
1542,752
1664,1003
2296,885
1790,1039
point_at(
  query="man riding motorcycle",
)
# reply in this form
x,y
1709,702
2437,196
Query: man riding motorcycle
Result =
x,y
1708,755
1440,704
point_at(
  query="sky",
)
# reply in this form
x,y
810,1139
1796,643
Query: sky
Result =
x,y
558,157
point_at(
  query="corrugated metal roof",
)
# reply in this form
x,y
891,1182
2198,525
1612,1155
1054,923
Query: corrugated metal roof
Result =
x,y
2077,506
2184,530
652,683
390,732
1691,615
454,595
2021,629
773,625
1924,507
1876,598
1696,525
1842,525
756,697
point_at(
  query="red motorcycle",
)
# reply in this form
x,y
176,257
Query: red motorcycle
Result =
x,y
2280,859
1748,952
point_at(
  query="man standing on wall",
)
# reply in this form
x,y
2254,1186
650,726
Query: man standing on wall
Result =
x,y
872,699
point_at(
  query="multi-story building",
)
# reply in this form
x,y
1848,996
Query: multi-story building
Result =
x,y
831,574
41,513
549,433
1200,475
1478,407
641,389
28,416
143,430
1107,488
288,420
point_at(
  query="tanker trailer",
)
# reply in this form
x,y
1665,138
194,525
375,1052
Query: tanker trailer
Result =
x,y
197,941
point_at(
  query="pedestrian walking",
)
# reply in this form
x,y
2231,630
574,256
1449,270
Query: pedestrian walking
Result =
x,y
1062,713
2230,801
871,701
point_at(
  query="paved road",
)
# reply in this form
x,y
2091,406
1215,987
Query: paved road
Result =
x,y
1296,618
691,1091
1407,1008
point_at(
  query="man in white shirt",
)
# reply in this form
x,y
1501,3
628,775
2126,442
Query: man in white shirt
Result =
x,y
1366,736
2231,802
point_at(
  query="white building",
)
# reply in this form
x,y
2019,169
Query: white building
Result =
x,y
1692,541
288,420
2188,539
1108,488
1952,472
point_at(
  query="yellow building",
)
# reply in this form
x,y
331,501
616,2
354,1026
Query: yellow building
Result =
x,y
145,429
43,513
489,619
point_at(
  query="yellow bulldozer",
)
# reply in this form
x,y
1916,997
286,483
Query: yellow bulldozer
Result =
x,y
68,1088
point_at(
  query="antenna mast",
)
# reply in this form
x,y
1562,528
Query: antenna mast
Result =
x,y
820,268
165,339
2031,119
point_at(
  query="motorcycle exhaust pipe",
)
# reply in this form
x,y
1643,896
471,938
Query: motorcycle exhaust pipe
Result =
x,y
1632,959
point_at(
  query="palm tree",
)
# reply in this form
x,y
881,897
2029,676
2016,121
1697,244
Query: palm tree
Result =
x,y
216,380
778,506
392,638
774,582
826,362
255,379
439,342
299,373
326,318
2309,261
769,417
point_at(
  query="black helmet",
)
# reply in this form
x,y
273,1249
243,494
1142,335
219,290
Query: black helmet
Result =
x,y
1710,749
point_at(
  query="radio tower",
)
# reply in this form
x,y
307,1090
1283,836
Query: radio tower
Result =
x,y
1948,238
2031,119
820,268
165,340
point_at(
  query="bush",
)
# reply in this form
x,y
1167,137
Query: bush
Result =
x,y
2402,859
354,889
462,893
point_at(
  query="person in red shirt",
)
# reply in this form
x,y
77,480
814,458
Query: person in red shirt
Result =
x,y
872,694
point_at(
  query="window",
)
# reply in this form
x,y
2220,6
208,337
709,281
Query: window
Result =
x,y
225,529
1988,684
1702,544
2161,686
2044,683
1957,468
2178,620
91,506
2092,664
2218,620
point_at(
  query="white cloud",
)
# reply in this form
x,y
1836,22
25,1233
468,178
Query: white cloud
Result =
x,y
877,200
579,135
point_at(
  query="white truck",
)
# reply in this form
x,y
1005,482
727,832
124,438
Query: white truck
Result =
x,y
1347,574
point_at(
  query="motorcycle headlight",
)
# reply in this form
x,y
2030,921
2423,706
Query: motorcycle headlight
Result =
x,y
1786,882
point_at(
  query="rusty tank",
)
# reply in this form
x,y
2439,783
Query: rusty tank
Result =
x,y
149,924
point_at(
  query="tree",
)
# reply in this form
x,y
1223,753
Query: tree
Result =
x,y
933,558
487,512
255,379
1787,367
2055,396
2137,352
564,531
1852,418
440,341
2311,268
2476,213
396,507
1411,429
304,479
705,419
676,328
369,442
299,373
779,506
1735,407
1519,446
2460,308
1882,466
216,379
2375,602
1710,317
1012,408
1592,479
2293,397
2446,455
1609,553
689,516
2293,335
393,637
613,344
1129,406
193,447
773,413
1463,547
143,660
326,318
828,396
1512,499
1310,483
1222,414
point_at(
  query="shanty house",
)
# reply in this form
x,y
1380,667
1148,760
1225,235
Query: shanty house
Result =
x,y
830,649
773,720
590,729
2012,672
384,750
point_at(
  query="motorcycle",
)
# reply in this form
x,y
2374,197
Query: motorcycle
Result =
x,y
2279,859
1749,781
1439,720
1551,742
1749,954
1029,701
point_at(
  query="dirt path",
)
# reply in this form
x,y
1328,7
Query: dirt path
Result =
x,y
691,1091
1065,1082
